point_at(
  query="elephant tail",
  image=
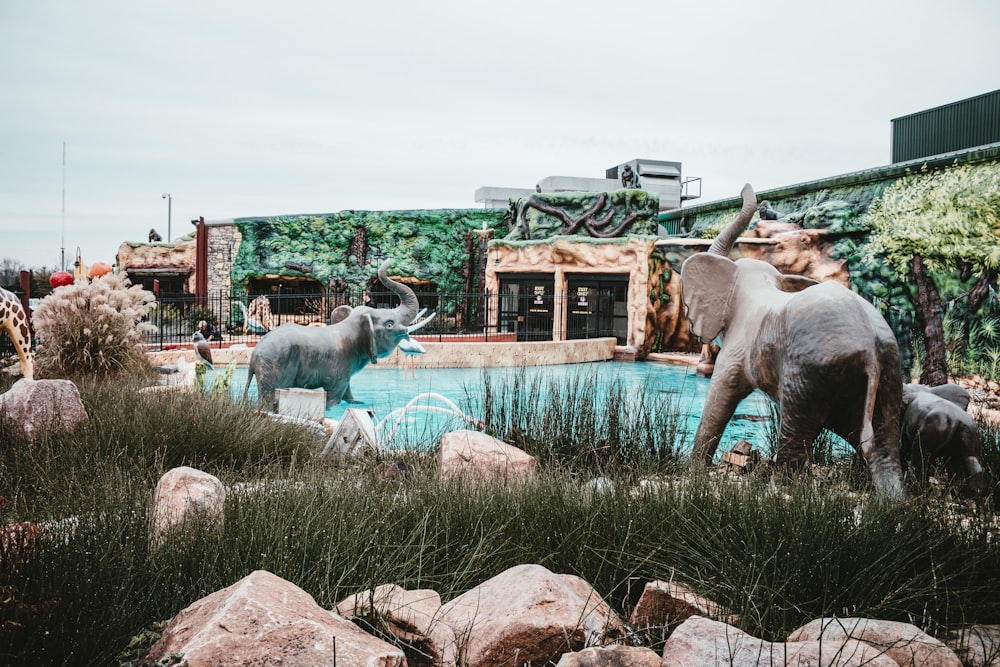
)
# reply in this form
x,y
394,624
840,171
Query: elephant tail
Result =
x,y
867,440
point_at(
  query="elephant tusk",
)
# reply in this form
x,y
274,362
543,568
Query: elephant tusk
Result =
x,y
420,324
410,346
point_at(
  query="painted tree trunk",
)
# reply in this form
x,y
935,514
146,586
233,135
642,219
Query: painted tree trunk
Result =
x,y
981,290
928,307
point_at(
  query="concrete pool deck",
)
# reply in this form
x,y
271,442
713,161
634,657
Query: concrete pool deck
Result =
x,y
453,354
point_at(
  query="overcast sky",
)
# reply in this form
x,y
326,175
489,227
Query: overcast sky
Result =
x,y
265,108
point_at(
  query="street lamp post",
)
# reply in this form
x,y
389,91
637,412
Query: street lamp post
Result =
x,y
166,195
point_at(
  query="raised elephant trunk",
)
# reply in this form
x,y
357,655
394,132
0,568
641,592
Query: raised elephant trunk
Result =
x,y
408,300
723,243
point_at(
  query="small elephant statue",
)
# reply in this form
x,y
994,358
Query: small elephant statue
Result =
x,y
823,353
294,355
935,425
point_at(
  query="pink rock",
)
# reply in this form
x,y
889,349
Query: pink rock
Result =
x,y
36,406
264,620
611,656
979,645
665,603
529,615
412,616
704,642
903,642
477,455
183,499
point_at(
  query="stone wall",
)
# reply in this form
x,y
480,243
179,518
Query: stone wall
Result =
x,y
223,244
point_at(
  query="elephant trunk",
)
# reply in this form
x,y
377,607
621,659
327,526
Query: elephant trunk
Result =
x,y
727,237
408,300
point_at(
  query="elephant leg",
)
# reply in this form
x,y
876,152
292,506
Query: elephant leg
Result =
x,y
806,409
349,397
725,391
880,436
795,439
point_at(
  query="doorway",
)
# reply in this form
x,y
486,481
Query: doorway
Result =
x,y
597,307
527,306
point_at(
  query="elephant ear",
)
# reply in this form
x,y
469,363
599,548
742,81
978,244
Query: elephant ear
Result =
x,y
707,284
953,393
340,314
367,337
793,283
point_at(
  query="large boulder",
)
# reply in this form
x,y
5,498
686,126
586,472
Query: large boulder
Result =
x,y
704,642
617,655
529,615
666,603
185,499
411,616
36,406
475,455
979,645
903,642
264,620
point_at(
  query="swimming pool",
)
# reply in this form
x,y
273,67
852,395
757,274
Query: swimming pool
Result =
x,y
384,391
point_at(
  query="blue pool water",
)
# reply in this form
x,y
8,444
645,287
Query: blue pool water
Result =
x,y
385,390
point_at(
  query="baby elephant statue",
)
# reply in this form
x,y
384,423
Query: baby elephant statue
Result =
x,y
294,355
936,425
824,354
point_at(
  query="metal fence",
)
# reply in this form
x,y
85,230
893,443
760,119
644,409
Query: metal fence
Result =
x,y
459,316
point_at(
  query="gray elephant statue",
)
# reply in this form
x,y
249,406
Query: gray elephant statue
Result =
x,y
936,425
294,355
823,353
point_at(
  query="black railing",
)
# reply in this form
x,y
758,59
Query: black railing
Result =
x,y
468,316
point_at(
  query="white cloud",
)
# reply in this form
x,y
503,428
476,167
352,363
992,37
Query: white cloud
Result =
x,y
254,108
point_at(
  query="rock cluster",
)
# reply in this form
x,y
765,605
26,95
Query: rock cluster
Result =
x,y
526,615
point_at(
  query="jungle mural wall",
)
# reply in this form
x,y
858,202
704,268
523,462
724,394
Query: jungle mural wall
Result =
x,y
435,245
924,247
431,244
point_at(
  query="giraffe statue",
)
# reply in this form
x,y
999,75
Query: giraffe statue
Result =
x,y
15,321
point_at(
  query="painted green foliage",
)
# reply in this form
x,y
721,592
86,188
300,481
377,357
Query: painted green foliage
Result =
x,y
427,244
838,210
943,215
595,214
950,218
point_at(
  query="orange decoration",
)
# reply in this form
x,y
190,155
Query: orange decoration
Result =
x,y
98,269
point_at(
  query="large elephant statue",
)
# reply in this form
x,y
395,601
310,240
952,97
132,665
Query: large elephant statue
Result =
x,y
294,355
823,353
936,425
